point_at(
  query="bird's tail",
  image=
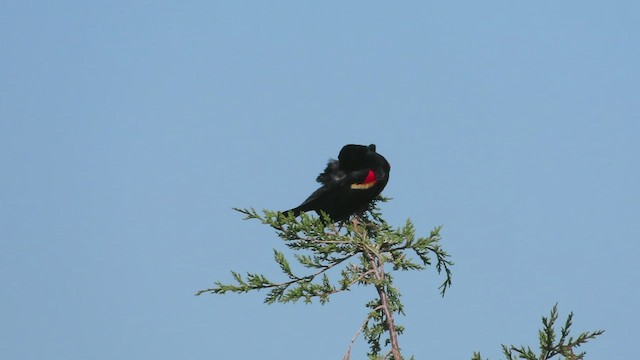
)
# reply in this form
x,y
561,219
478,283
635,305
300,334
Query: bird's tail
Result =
x,y
295,211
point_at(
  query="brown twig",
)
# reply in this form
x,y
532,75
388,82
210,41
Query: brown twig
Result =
x,y
378,267
347,355
393,335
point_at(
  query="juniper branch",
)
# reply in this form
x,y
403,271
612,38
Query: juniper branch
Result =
x,y
550,346
361,248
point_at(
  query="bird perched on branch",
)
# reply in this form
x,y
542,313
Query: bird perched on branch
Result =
x,y
349,184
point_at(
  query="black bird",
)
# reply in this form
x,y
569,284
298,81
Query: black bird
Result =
x,y
349,184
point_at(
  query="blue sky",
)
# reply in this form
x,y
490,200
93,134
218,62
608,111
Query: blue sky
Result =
x,y
128,130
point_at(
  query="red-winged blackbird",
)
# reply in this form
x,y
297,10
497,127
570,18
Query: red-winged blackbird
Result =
x,y
349,184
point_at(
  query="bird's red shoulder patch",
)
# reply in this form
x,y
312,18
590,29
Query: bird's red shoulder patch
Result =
x,y
369,181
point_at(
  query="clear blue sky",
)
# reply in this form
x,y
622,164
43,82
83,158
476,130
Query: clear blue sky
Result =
x,y
128,130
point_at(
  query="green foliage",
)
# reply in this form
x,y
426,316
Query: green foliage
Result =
x,y
330,258
358,251
550,345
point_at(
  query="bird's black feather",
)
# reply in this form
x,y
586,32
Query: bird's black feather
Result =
x,y
349,184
